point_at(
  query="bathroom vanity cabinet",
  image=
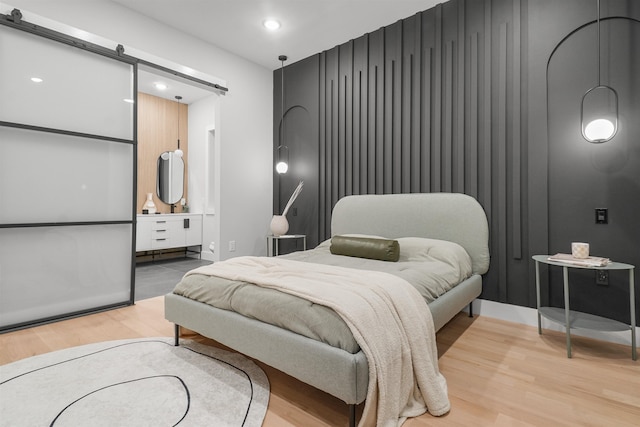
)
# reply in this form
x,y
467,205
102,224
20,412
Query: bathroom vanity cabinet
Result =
x,y
165,231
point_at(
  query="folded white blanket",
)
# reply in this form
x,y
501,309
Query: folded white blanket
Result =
x,y
388,318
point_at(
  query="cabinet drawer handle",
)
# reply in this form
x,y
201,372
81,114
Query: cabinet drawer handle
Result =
x,y
161,222
157,240
160,231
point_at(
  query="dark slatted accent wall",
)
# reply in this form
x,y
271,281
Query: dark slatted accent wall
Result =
x,y
428,104
455,99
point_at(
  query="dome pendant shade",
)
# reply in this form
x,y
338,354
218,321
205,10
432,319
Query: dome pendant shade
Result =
x,y
599,114
282,161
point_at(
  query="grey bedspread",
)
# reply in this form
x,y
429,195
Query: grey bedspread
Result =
x,y
431,266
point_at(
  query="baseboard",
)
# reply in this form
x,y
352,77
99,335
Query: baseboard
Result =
x,y
528,316
208,255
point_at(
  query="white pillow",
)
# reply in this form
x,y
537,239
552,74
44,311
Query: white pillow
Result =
x,y
423,249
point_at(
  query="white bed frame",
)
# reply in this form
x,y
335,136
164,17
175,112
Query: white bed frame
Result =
x,y
454,217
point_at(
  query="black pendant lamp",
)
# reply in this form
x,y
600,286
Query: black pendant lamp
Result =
x,y
179,152
599,107
282,162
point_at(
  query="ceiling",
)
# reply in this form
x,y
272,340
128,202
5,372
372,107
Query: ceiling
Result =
x,y
308,26
189,91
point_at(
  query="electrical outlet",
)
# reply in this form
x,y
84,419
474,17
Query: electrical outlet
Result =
x,y
602,277
232,245
212,246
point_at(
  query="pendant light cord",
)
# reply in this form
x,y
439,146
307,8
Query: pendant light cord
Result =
x,y
598,5
178,97
282,58
178,123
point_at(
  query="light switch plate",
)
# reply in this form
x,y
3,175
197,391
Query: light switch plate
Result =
x,y
602,216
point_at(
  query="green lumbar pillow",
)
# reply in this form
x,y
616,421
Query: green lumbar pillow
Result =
x,y
366,247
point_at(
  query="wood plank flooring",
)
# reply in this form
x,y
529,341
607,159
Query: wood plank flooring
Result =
x,y
498,373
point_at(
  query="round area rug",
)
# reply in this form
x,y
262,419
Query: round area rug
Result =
x,y
140,382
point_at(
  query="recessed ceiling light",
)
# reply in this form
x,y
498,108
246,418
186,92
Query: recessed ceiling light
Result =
x,y
36,79
160,86
271,24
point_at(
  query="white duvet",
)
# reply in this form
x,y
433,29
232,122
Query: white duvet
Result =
x,y
388,318
433,266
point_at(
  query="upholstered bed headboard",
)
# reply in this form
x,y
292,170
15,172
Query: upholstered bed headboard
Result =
x,y
446,216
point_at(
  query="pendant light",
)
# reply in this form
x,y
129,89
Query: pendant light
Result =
x,y
599,107
179,152
282,162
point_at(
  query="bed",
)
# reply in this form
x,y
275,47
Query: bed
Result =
x,y
448,217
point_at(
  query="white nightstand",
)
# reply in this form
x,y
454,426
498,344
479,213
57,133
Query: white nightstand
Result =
x,y
276,239
576,319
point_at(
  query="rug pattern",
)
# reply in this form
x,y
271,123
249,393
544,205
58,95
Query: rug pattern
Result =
x,y
140,382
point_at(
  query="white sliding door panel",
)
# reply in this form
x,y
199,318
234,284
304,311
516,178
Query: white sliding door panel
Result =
x,y
46,177
67,178
51,271
80,91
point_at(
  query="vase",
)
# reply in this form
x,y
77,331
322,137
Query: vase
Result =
x,y
149,205
279,225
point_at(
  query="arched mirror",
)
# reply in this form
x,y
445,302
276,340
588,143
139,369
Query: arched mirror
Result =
x,y
170,177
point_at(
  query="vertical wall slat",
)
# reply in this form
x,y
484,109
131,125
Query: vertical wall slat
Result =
x,y
436,143
446,160
356,131
461,90
516,213
427,40
359,117
376,106
346,119
486,193
393,108
322,161
409,87
360,61
474,117
502,150
416,106
414,125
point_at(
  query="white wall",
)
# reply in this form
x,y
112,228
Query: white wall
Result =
x,y
204,170
245,113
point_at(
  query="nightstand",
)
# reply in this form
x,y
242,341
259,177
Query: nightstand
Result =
x,y
576,319
271,239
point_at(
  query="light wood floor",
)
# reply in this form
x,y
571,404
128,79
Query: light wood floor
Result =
x,y
498,373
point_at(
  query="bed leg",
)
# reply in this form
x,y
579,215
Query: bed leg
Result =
x,y
471,309
176,335
352,415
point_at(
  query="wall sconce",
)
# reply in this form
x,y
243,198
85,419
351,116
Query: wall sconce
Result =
x,y
599,107
179,152
282,162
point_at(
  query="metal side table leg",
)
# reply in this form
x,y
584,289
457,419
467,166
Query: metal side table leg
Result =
x,y
538,296
565,275
632,298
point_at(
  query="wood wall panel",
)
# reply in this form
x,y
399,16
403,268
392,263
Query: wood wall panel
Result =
x,y
157,133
